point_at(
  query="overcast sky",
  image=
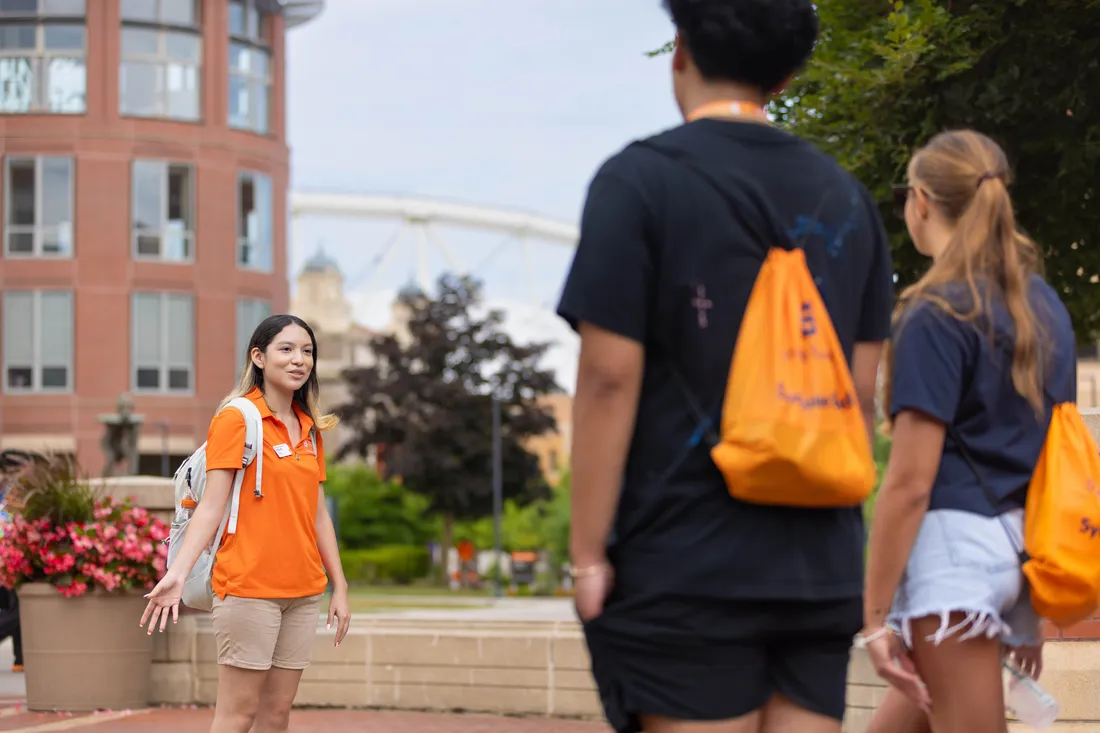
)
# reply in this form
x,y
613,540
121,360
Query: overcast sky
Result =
x,y
490,102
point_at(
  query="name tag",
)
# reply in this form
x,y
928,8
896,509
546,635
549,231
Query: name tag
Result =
x,y
282,450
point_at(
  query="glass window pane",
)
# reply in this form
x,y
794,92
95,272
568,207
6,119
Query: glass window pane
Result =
x,y
17,36
183,91
56,329
55,377
260,90
246,202
19,6
16,85
66,85
64,37
259,224
240,57
238,101
20,243
181,326
21,203
63,7
183,47
19,329
236,17
144,10
20,377
179,12
259,63
142,85
252,20
179,379
148,187
140,42
179,196
57,190
58,240
146,329
148,378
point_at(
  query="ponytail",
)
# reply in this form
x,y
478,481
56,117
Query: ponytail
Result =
x,y
967,177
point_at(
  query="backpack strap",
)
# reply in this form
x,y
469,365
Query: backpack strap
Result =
x,y
1021,553
253,451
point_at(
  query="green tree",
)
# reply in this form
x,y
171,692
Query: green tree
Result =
x,y
373,512
426,401
886,76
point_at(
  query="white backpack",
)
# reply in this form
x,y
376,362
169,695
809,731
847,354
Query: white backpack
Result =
x,y
190,481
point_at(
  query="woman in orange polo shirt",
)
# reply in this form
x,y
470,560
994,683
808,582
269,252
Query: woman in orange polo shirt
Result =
x,y
269,576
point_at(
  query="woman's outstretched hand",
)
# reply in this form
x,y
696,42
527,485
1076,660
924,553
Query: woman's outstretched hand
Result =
x,y
164,599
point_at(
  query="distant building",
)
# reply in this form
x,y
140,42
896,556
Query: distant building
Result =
x,y
342,343
143,209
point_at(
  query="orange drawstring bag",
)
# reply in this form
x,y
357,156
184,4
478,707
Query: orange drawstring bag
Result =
x,y
792,431
1062,522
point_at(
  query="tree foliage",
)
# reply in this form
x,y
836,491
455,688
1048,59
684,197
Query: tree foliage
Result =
x,y
426,400
886,76
372,512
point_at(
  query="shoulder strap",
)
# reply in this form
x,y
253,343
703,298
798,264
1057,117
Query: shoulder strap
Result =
x,y
1021,553
253,451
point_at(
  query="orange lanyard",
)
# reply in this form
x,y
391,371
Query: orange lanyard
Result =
x,y
728,109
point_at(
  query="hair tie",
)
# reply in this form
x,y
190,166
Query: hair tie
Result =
x,y
986,177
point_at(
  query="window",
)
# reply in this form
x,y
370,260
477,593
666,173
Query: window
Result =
x,y
163,211
162,342
254,221
250,313
42,44
250,79
161,70
38,341
38,206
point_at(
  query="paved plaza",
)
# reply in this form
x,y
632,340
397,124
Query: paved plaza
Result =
x,y
16,719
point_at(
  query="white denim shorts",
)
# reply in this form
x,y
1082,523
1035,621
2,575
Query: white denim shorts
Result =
x,y
966,563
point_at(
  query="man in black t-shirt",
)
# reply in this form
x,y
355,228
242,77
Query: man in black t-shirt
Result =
x,y
697,607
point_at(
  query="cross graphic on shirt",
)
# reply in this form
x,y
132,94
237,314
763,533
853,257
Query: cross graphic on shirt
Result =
x,y
701,304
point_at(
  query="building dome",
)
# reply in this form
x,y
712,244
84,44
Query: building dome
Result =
x,y
321,262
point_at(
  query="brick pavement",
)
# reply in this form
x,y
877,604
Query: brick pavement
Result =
x,y
302,721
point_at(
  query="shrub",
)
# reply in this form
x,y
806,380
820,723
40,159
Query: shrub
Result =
x,y
396,564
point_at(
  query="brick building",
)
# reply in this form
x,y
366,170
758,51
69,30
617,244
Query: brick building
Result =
x,y
144,193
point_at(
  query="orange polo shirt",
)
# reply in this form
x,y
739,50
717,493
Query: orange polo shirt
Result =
x,y
274,551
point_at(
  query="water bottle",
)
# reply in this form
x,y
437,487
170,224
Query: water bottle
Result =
x,y
1028,701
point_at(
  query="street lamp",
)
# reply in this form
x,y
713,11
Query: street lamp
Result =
x,y
498,495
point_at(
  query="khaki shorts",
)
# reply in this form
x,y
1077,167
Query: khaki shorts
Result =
x,y
261,633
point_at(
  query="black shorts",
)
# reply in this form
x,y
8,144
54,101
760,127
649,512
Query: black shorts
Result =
x,y
710,660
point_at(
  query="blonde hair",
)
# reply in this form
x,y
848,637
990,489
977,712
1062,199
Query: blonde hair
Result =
x,y
966,175
306,396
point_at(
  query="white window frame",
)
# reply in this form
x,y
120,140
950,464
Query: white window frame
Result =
x,y
255,263
163,366
36,345
38,229
257,43
254,306
38,60
188,233
165,62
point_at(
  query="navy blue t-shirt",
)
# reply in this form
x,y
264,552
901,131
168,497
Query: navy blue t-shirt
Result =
x,y
953,371
666,260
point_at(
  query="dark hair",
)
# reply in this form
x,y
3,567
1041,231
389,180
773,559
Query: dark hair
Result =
x,y
306,396
757,42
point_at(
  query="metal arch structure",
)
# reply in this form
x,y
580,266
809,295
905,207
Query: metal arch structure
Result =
x,y
418,215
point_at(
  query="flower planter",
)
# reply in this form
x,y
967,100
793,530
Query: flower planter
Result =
x,y
84,653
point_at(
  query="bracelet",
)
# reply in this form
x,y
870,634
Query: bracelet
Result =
x,y
588,571
862,641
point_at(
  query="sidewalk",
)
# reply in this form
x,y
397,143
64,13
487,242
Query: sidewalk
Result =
x,y
16,719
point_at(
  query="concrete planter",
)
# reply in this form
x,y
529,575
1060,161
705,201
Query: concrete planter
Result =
x,y
86,653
